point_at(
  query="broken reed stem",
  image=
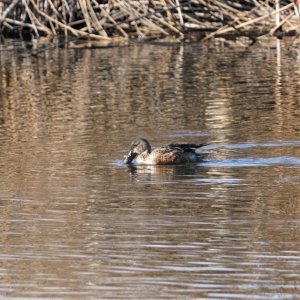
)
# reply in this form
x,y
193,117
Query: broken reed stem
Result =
x,y
169,15
264,16
247,23
84,10
107,15
22,24
95,21
174,29
74,31
65,18
277,14
7,11
179,13
30,17
272,31
231,24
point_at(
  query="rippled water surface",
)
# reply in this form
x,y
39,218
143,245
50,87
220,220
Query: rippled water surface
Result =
x,y
76,223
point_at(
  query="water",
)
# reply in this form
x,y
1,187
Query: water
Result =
x,y
79,224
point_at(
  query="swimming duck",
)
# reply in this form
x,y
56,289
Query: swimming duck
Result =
x,y
170,154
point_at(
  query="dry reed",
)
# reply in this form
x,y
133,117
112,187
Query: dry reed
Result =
x,y
104,20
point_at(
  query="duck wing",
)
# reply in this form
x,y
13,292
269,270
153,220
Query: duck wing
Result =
x,y
186,147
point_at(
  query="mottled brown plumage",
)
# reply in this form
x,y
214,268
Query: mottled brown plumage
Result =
x,y
142,153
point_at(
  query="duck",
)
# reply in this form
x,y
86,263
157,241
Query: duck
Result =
x,y
142,153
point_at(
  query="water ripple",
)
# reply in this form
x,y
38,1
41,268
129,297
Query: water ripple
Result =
x,y
249,162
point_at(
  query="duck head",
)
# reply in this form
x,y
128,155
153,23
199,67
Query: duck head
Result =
x,y
138,146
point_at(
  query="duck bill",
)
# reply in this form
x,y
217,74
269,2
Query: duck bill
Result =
x,y
130,157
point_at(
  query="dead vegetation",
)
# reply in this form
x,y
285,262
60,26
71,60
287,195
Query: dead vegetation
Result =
x,y
115,20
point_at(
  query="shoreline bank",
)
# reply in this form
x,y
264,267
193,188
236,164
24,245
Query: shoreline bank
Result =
x,y
117,22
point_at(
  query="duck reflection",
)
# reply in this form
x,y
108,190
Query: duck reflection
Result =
x,y
163,172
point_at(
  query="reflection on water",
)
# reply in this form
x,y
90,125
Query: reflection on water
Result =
x,y
78,224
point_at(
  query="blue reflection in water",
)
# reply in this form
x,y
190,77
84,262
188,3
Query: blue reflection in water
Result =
x,y
248,162
254,145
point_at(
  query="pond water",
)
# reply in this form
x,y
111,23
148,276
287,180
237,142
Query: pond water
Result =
x,y
76,223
